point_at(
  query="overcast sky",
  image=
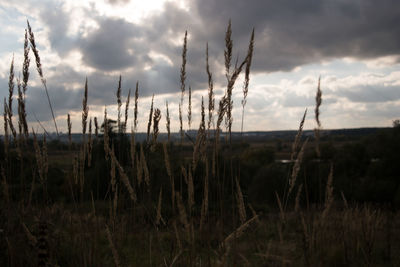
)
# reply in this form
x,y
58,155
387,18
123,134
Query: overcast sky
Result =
x,y
354,45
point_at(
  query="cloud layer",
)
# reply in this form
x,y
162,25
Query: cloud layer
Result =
x,y
86,40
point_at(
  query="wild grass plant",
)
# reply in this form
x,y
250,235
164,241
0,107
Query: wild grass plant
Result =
x,y
127,203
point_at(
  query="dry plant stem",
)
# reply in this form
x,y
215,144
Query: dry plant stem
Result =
x,y
133,148
158,216
114,251
119,102
183,78
247,76
168,123
6,134
4,184
40,71
25,78
240,202
85,110
90,144
190,108
318,101
135,112
204,205
11,86
150,120
156,120
211,99
122,174
328,193
69,125
228,50
170,174
96,128
296,143
295,171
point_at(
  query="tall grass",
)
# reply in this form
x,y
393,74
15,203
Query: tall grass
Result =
x,y
164,205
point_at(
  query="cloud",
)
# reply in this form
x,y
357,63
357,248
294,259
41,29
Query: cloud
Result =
x,y
289,34
118,2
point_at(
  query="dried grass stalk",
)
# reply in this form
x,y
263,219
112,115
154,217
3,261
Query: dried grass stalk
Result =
x,y
228,49
144,168
238,232
247,75
190,109
127,110
106,138
114,251
150,120
69,125
156,121
135,112
204,205
119,102
90,144
182,213
318,102
122,174
133,148
4,185
200,144
328,193
96,128
240,202
85,110
296,168
168,124
6,134
158,216
40,71
296,143
11,86
170,174
211,98
190,190
298,195
183,78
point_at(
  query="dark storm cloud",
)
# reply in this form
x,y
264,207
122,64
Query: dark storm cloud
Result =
x,y
112,45
291,33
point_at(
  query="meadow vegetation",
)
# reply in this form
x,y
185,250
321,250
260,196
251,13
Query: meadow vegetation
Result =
x,y
203,201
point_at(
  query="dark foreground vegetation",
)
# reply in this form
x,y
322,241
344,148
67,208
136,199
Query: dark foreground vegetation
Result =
x,y
205,200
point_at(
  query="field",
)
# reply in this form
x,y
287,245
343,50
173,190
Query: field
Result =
x,y
210,197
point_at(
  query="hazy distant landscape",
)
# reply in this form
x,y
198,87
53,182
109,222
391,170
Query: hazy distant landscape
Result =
x,y
97,174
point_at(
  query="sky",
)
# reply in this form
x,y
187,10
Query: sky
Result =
x,y
353,45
